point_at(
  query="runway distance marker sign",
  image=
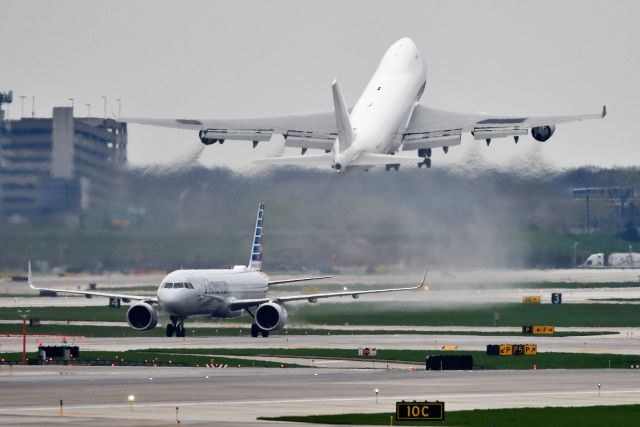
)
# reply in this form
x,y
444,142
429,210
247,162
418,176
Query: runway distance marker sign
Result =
x,y
420,411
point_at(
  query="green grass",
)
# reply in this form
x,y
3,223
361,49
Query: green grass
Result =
x,y
191,357
514,314
480,359
100,313
150,355
546,285
619,416
409,314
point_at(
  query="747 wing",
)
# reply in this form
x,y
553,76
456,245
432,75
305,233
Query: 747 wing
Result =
x,y
431,128
307,130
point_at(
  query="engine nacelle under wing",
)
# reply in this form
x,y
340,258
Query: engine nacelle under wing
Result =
x,y
211,136
271,316
142,316
542,133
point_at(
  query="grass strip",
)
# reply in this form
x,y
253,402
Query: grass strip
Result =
x,y
408,314
480,359
150,356
619,416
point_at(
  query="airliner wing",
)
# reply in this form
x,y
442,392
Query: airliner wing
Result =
x,y
90,294
249,303
430,127
308,130
300,279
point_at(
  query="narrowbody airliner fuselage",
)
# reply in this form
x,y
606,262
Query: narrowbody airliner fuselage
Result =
x,y
220,293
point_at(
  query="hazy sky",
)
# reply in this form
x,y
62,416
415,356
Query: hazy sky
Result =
x,y
252,58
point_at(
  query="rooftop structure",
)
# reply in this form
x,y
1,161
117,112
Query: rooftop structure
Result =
x,y
61,164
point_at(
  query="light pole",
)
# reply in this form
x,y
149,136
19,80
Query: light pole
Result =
x,y
22,97
24,314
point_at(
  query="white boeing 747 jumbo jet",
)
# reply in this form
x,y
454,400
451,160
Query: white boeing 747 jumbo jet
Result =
x,y
219,293
386,119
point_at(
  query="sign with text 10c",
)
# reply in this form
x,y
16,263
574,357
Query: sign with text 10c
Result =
x,y
420,411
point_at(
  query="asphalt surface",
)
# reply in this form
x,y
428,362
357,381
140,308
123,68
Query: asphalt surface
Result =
x,y
237,396
97,396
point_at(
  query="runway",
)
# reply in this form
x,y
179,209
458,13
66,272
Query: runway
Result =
x,y
236,396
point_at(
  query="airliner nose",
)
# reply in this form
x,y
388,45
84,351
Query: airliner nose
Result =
x,y
171,301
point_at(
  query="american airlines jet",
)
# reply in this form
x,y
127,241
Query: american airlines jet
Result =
x,y
219,293
386,119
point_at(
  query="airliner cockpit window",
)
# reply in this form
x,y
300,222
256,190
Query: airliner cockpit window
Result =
x,y
168,285
178,285
188,285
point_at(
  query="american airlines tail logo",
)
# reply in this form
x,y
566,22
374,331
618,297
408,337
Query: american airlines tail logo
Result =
x,y
255,262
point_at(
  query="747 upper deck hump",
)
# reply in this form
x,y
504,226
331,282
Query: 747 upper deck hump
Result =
x,y
386,119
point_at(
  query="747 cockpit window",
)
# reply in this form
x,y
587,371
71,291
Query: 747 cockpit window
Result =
x,y
168,285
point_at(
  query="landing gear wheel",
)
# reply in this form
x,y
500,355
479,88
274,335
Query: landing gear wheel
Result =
x,y
427,162
180,331
171,329
265,334
254,330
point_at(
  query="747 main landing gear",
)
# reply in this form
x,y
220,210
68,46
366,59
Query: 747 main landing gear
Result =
x,y
176,327
426,154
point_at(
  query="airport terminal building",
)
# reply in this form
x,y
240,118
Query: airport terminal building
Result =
x,y
59,166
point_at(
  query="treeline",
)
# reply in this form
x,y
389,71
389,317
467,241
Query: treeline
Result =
x,y
315,219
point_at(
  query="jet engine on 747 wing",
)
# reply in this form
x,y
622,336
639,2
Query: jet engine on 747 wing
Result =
x,y
542,133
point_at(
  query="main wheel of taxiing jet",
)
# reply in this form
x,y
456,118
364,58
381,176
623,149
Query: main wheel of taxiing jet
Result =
x,y
264,333
180,331
170,329
255,330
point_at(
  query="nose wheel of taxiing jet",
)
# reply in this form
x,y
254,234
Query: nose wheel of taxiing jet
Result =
x,y
255,330
181,331
176,327
171,330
